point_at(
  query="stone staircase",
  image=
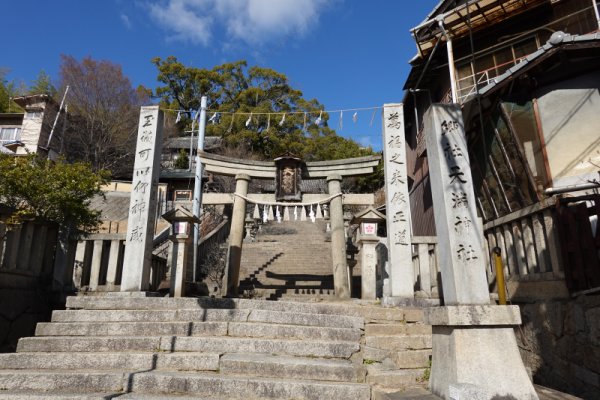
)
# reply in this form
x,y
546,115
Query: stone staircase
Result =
x,y
128,347
290,260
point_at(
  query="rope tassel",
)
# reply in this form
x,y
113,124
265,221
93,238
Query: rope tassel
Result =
x,y
319,212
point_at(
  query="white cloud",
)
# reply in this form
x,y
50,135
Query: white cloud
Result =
x,y
126,21
366,141
254,22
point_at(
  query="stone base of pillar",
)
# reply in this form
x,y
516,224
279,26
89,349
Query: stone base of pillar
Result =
x,y
128,294
395,301
475,353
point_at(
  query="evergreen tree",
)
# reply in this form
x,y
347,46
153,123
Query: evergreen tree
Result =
x,y
267,94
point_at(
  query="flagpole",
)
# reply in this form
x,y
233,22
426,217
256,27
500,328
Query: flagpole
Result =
x,y
198,183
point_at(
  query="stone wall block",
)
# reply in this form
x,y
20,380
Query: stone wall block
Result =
x,y
574,319
593,317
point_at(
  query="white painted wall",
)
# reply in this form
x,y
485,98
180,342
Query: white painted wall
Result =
x,y
570,117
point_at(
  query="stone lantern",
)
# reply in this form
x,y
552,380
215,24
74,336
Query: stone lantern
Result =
x,y
367,240
182,224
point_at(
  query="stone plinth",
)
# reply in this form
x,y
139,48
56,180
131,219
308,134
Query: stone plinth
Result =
x,y
475,353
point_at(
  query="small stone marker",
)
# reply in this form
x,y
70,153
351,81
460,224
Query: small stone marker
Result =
x,y
397,203
142,206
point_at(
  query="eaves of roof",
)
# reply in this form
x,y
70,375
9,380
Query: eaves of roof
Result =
x,y
558,41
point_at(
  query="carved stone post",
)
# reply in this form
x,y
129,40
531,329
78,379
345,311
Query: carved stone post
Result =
x,y
142,206
475,353
338,239
236,235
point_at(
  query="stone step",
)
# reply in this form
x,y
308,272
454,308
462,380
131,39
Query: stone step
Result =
x,y
56,395
131,328
246,388
82,381
237,329
106,361
303,348
292,367
279,285
170,396
372,313
210,315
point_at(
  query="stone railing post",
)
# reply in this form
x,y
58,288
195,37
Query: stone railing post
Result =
x,y
236,235
338,239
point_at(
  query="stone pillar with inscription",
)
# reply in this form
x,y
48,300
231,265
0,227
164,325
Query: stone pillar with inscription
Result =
x,y
341,283
236,234
401,275
142,207
475,353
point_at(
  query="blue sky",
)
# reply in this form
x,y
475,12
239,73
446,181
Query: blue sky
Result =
x,y
345,53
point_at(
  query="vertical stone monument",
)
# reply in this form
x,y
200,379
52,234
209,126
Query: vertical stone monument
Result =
x,y
475,353
142,206
401,281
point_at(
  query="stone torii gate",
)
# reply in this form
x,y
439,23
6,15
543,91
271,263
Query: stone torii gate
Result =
x,y
333,171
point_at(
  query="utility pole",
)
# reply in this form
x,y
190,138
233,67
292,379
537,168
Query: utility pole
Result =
x,y
198,183
62,103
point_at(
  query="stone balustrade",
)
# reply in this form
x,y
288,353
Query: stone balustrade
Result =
x,y
98,263
530,249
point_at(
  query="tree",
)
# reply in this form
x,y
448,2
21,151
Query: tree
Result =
x,y
8,91
182,161
55,191
42,85
235,88
104,112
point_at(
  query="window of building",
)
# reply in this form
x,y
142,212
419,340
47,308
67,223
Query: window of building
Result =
x,y
487,66
499,169
33,115
10,134
183,195
522,120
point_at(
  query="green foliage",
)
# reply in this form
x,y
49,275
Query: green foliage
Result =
x,y
237,88
42,85
8,91
182,161
55,191
426,374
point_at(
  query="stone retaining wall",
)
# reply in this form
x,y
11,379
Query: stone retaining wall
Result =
x,y
23,303
560,342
